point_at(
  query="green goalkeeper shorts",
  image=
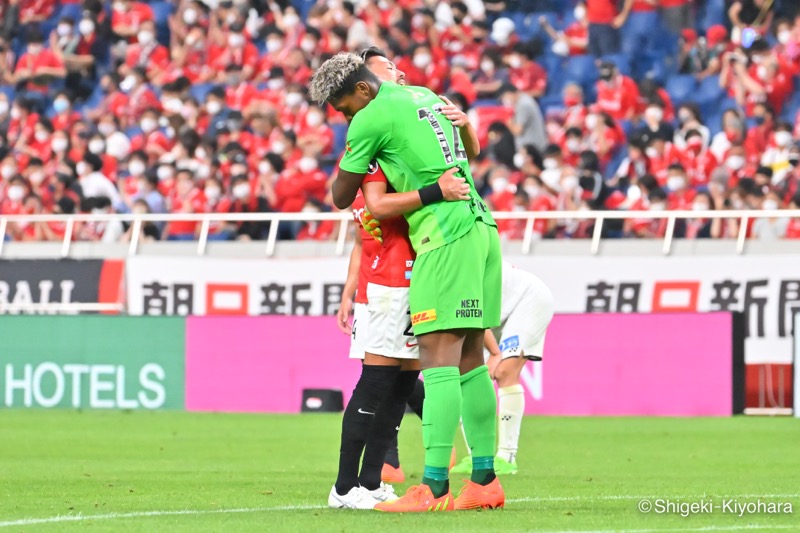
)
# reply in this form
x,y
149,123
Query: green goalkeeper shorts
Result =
x,y
458,285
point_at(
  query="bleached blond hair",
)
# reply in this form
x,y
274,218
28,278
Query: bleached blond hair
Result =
x,y
332,77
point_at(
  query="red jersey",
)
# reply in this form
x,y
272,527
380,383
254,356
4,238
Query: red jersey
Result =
x,y
388,263
601,11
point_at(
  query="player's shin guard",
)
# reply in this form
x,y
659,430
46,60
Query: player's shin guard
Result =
x,y
511,405
384,429
479,413
440,417
372,387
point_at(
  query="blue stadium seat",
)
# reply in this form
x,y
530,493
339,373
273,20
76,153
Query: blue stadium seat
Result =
x,y
72,11
339,137
9,91
200,90
582,70
622,61
791,107
681,88
161,13
551,102
715,13
486,102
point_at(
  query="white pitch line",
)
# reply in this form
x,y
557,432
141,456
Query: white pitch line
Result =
x,y
534,499
702,528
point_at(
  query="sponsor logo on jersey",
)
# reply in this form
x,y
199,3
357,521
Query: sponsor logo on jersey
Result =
x,y
409,263
470,308
408,274
424,316
347,147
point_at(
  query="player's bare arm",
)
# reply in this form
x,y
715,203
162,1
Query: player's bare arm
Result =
x,y
350,285
385,205
490,343
345,187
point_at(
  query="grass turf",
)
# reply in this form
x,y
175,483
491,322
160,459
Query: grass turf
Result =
x,y
576,474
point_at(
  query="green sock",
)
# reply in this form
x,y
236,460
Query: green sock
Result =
x,y
440,415
479,416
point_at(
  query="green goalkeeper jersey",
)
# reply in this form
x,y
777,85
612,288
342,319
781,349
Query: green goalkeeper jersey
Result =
x,y
403,129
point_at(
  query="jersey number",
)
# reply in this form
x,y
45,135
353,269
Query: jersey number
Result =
x,y
461,155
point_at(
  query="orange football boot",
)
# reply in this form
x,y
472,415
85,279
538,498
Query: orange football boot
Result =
x,y
390,474
418,499
475,496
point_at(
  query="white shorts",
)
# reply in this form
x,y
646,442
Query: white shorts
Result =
x,y
383,326
524,323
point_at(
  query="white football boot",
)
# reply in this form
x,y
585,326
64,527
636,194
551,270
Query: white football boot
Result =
x,y
357,498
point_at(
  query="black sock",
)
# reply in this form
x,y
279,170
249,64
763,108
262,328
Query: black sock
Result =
x,y
392,454
387,422
373,386
417,398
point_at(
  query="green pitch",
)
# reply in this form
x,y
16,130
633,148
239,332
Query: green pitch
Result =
x,y
235,473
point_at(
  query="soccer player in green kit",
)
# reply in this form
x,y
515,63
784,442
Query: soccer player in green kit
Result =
x,y
456,280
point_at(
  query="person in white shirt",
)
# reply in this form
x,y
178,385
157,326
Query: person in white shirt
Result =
x,y
92,181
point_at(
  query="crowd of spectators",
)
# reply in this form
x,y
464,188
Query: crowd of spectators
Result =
x,y
200,106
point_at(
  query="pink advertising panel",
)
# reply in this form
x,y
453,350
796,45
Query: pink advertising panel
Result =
x,y
262,364
677,364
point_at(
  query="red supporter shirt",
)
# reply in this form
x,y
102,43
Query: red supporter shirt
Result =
x,y
17,129
640,6
151,58
220,57
793,229
65,121
618,99
388,264
601,11
673,3
138,13
531,77
36,8
196,203
241,96
34,63
577,31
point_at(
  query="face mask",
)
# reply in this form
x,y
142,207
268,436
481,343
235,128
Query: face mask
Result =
x,y
550,163
59,144
145,37
3,107
684,117
212,193
273,45
734,162
561,48
651,152
487,66
119,7
86,27
769,205
569,183
579,13
106,129
15,193
7,172
291,20
499,185
757,59
96,146
422,60
61,105
784,36
675,183
519,160
15,113
264,167
241,191
118,146
173,105
36,178
634,193
699,206
189,16
127,84
552,178
293,99
762,72
573,144
136,168
591,122
313,120
34,49
654,113
783,138
213,107
63,30
658,206
307,164
275,85
383,5
235,40
149,124
164,173
82,168
308,45
532,190
278,147
41,136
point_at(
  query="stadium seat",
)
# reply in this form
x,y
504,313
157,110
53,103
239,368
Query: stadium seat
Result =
x,y
582,70
72,11
715,13
551,103
681,88
161,12
9,91
200,90
622,61
339,137
791,108
485,102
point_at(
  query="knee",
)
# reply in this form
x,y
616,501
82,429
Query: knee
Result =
x,y
507,373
